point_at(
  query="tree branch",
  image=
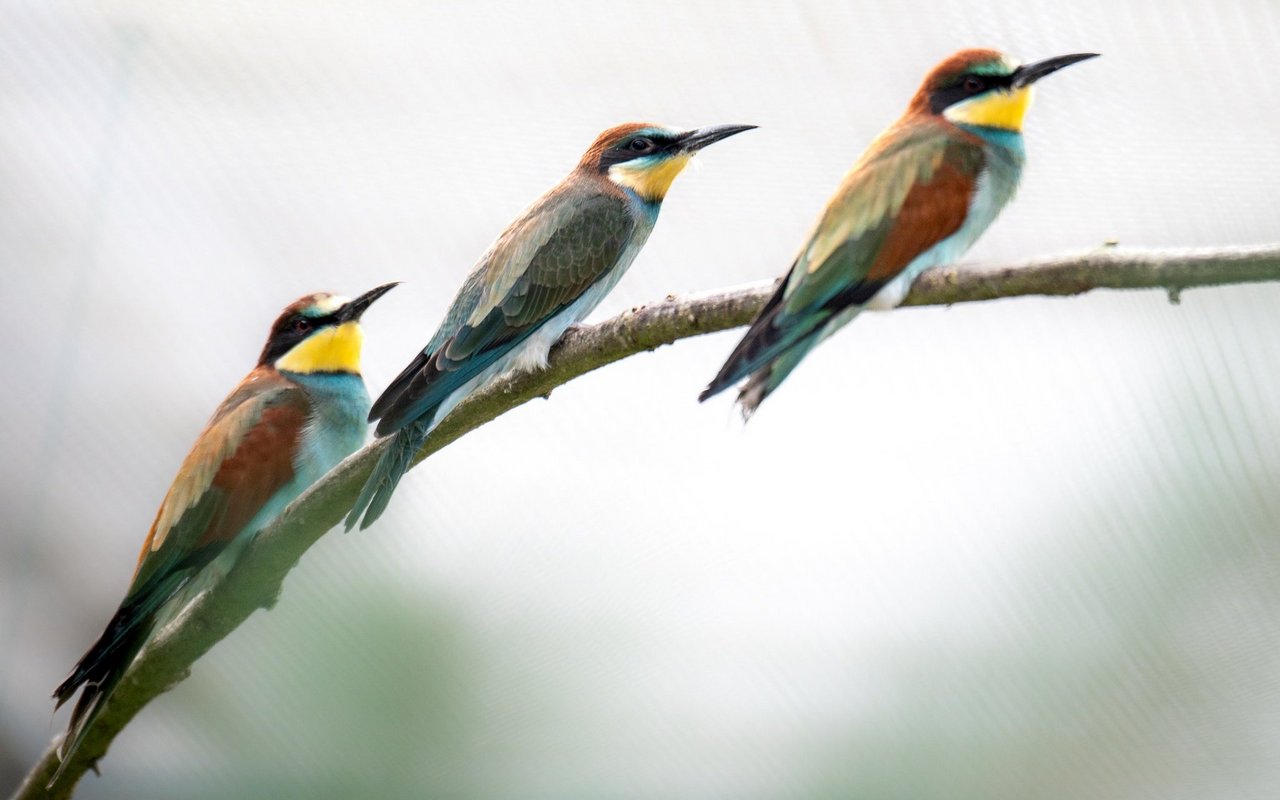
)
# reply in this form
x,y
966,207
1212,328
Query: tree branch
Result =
x,y
256,581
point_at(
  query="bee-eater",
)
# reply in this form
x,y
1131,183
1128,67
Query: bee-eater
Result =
x,y
544,273
298,413
921,194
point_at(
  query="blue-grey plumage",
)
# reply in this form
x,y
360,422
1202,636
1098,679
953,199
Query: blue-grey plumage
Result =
x,y
293,418
545,272
920,196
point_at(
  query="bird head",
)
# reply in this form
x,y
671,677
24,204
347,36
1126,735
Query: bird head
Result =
x,y
320,333
646,158
985,88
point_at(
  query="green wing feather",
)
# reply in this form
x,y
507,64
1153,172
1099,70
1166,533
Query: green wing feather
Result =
x,y
867,234
540,265
243,457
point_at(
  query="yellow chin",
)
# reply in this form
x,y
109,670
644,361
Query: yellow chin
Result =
x,y
651,182
335,349
993,110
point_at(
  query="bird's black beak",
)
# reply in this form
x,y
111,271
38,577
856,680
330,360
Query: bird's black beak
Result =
x,y
694,140
1028,74
351,311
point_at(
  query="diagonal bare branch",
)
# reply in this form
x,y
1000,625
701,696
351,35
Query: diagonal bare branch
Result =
x,y
257,581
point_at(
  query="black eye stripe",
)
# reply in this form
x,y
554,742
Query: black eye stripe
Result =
x,y
286,334
966,86
635,146
299,327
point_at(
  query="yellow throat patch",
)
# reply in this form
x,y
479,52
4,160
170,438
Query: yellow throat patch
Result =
x,y
995,109
335,349
651,181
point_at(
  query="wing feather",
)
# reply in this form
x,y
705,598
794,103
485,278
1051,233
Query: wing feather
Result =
x,y
538,267
243,457
909,191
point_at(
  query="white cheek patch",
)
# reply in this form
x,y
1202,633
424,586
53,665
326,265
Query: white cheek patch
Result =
x,y
332,303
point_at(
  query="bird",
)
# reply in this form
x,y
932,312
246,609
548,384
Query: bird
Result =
x,y
922,193
545,272
299,412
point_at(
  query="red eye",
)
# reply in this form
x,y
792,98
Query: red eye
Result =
x,y
973,85
301,325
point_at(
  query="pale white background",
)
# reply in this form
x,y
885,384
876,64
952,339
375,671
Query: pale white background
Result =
x,y
1013,549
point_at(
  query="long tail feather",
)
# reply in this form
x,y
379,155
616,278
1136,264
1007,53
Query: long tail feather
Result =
x,y
753,393
765,342
98,672
386,475
102,666
752,352
764,380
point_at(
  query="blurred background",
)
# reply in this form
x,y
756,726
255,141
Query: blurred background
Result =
x,y
1025,548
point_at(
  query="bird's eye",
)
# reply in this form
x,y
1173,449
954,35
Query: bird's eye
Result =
x,y
641,145
301,325
973,85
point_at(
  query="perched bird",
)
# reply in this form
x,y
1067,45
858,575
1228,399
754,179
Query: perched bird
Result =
x,y
298,413
921,194
544,273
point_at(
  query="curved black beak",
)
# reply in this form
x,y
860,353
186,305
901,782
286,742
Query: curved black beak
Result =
x,y
352,310
1028,74
694,140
